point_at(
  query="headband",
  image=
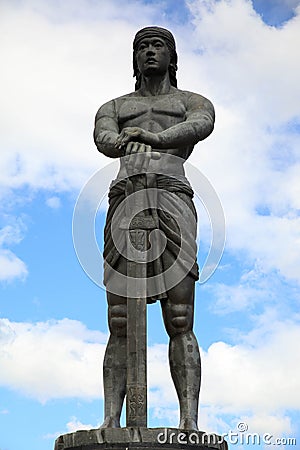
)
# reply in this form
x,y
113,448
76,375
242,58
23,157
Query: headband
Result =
x,y
148,32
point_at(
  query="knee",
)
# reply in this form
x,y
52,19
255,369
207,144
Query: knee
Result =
x,y
117,319
179,319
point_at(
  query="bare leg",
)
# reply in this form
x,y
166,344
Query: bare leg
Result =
x,y
184,356
185,368
114,366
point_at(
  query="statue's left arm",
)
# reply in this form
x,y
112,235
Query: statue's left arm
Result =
x,y
198,125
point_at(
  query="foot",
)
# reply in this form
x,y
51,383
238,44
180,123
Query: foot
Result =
x,y
110,422
187,423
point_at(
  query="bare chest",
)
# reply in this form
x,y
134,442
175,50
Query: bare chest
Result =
x,y
151,113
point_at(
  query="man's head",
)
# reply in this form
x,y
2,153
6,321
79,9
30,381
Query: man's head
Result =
x,y
149,34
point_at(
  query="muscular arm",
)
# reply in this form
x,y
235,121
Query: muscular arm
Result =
x,y
106,130
199,124
106,134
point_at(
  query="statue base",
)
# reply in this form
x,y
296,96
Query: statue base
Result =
x,y
139,438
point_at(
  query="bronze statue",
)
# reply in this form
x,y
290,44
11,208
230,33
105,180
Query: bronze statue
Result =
x,y
139,128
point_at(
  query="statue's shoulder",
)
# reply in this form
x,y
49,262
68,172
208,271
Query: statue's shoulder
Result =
x,y
124,98
117,102
111,107
193,96
197,103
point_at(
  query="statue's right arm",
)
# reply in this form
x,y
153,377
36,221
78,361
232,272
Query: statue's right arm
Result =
x,y
106,130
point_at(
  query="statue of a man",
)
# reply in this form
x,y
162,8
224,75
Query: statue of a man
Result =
x,y
154,120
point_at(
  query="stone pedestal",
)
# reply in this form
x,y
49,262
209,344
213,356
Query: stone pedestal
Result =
x,y
140,438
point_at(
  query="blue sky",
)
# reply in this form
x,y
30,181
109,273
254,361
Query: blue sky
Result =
x,y
61,61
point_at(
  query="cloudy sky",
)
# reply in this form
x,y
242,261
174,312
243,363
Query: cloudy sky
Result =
x,y
60,61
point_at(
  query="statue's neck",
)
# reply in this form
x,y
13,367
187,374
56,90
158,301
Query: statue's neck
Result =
x,y
155,85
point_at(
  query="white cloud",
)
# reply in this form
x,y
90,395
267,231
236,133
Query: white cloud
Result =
x,y
53,202
13,232
257,287
235,298
11,266
55,357
245,376
74,424
254,381
262,423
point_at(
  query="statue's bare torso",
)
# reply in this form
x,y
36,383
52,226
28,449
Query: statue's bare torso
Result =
x,y
156,114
